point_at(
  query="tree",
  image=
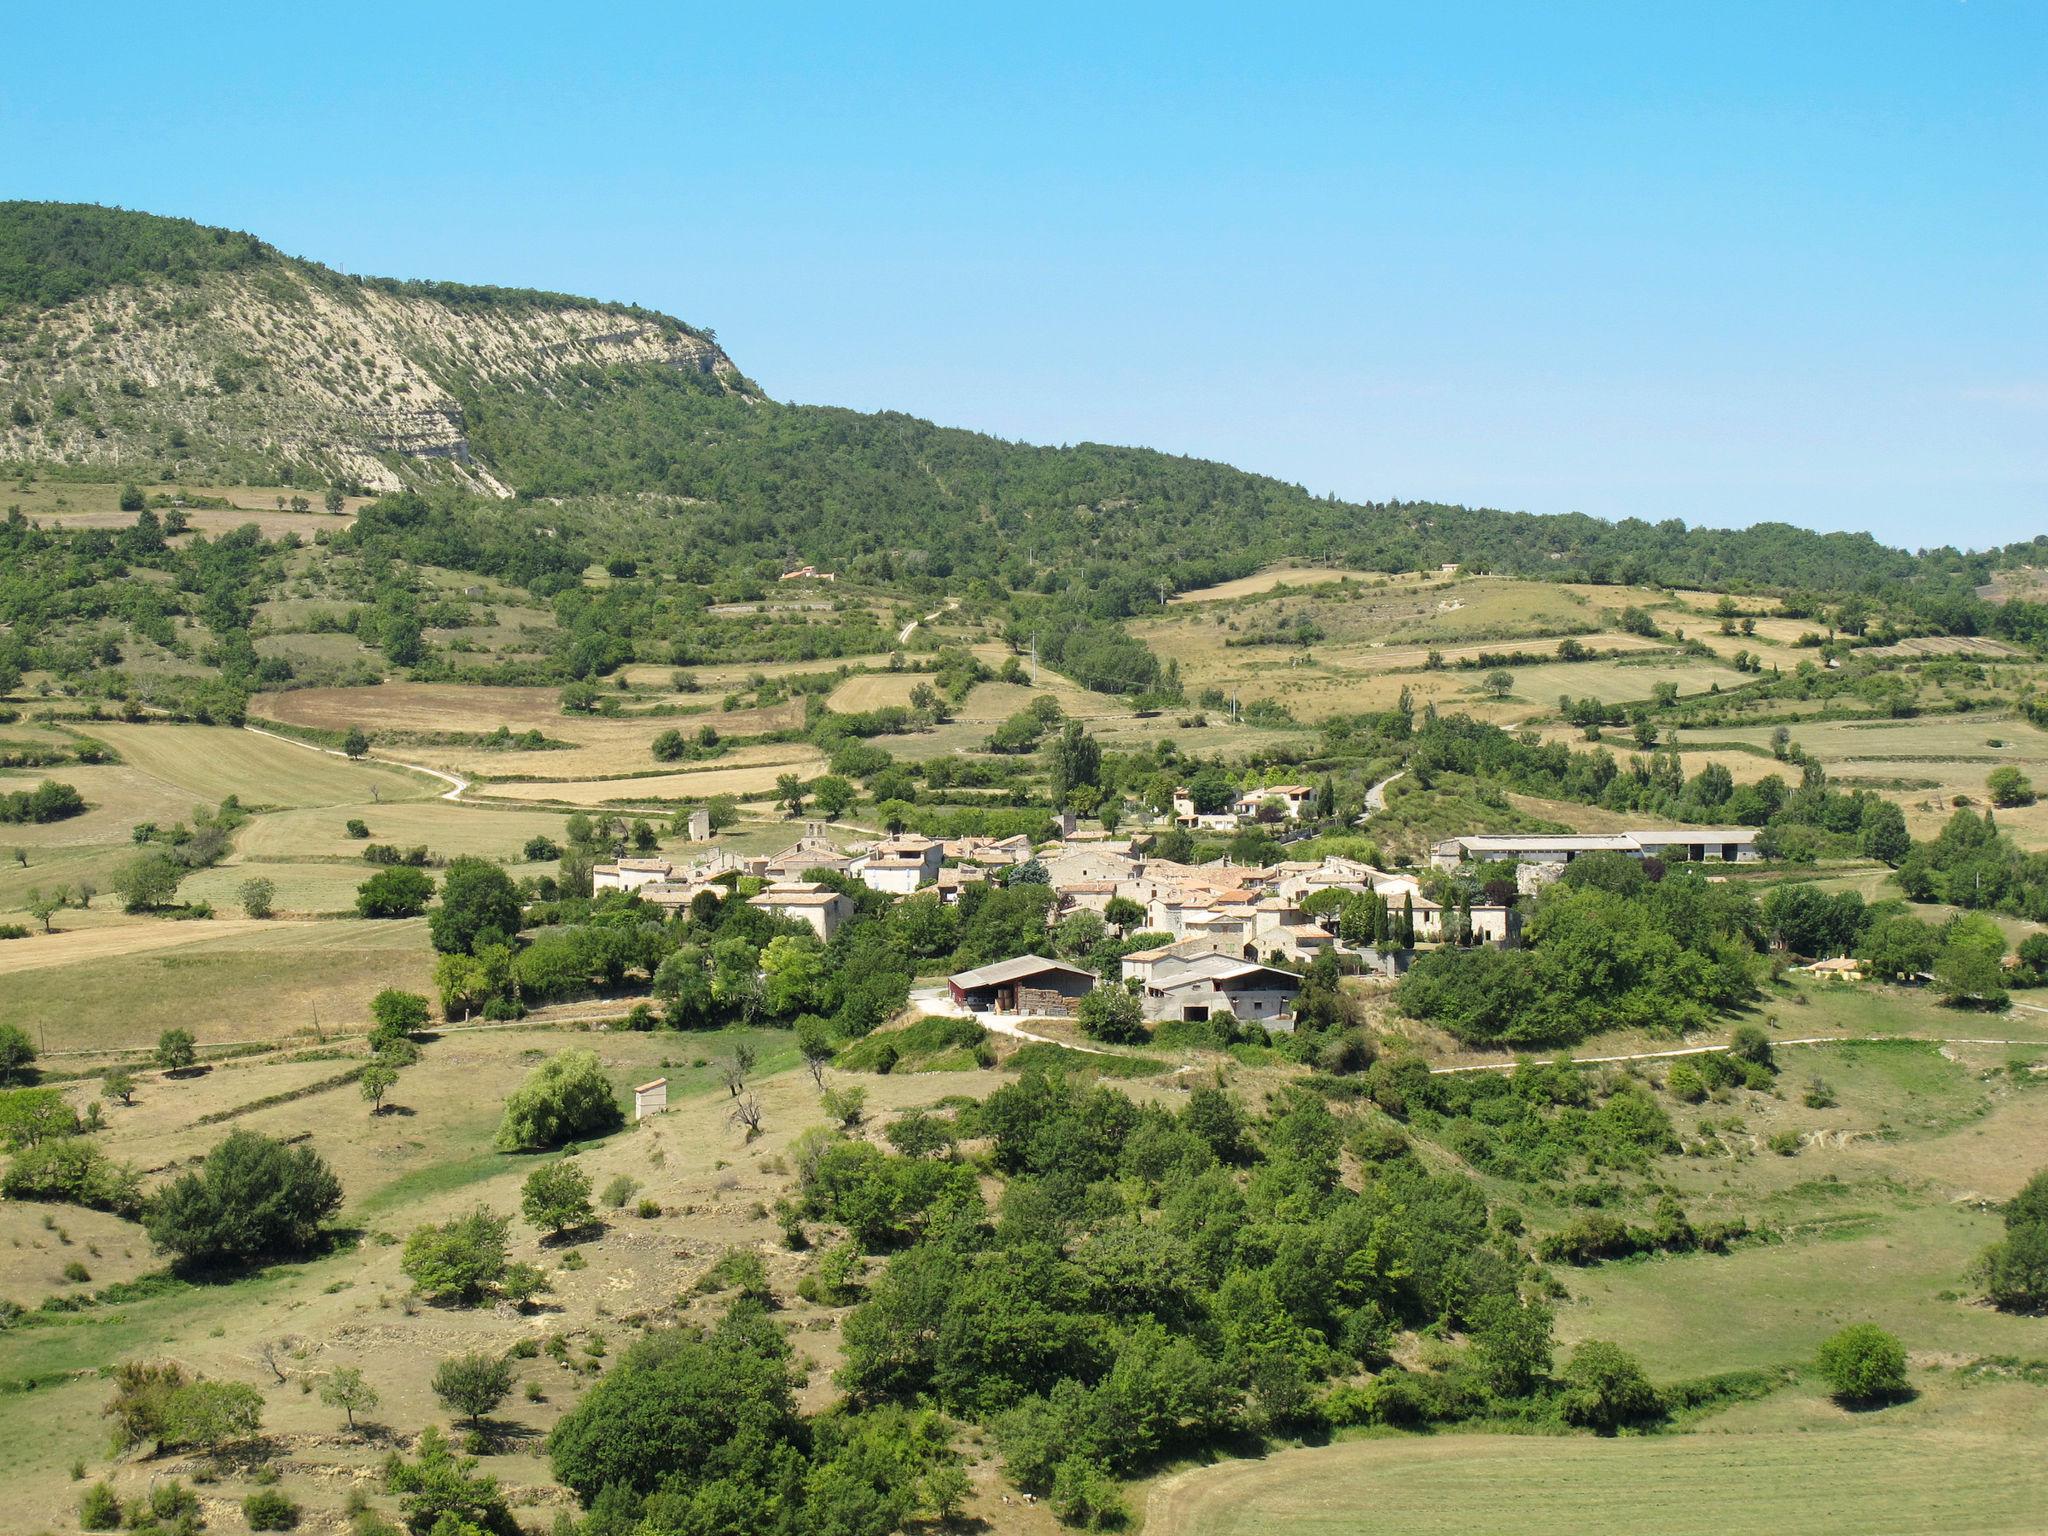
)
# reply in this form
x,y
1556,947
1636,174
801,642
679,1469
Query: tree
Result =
x,y
1864,1364
1898,947
118,1083
176,1050
149,881
457,1260
556,1197
378,1079
43,905
834,795
473,1384
1969,967
792,971
252,1198
814,1040
1123,914
396,892
2008,787
256,896
566,1098
789,793
479,905
1499,683
1111,1013
17,1055
442,1493
1606,1390
354,743
1749,1043
2014,1270
345,1389
1074,761
1513,1342
396,1013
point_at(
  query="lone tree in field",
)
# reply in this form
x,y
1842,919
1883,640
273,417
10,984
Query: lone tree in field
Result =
x,y
119,1083
378,1079
556,1197
176,1050
1865,1365
1606,1390
347,1390
457,1260
355,743
473,1384
1499,683
396,892
257,896
567,1098
252,1198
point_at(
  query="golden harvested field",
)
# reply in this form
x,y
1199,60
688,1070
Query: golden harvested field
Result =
x,y
755,779
448,827
72,504
209,763
874,690
228,979
1278,576
602,744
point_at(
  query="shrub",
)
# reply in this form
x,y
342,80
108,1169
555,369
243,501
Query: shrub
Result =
x,y
1864,1364
256,896
1685,1084
567,1098
619,1190
396,1012
2014,1271
1749,1043
252,1198
74,1171
457,1260
268,1510
1112,1014
1606,1390
395,892
99,1510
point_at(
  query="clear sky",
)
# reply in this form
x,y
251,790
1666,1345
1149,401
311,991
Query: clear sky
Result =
x,y
1719,261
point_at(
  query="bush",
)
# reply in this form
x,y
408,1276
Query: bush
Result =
x,y
252,1198
1864,1364
621,1189
1606,1390
1749,1043
457,1260
556,1197
396,1012
99,1510
2015,1271
72,1170
567,1098
395,892
1112,1014
268,1510
17,1055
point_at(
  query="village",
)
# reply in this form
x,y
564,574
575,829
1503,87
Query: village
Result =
x,y
1220,939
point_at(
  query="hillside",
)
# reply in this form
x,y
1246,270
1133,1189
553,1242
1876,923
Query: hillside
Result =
x,y
133,346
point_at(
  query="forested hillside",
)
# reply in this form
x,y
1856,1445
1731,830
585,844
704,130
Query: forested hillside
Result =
x,y
136,346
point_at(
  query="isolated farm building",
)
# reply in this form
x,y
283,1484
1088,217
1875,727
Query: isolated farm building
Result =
x,y
808,573
1205,986
1028,984
1697,844
898,866
805,901
650,1098
630,874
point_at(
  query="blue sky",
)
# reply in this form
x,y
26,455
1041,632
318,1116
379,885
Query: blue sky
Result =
x,y
1725,262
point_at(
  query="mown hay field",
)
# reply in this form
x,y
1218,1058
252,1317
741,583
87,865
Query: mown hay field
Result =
x,y
1959,1462
600,744
124,983
754,774
1260,582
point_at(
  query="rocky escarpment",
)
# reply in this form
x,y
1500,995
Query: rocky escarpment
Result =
x,y
289,373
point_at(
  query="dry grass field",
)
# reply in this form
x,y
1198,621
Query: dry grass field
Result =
x,y
81,504
733,775
874,690
600,745
1261,582
1950,1464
